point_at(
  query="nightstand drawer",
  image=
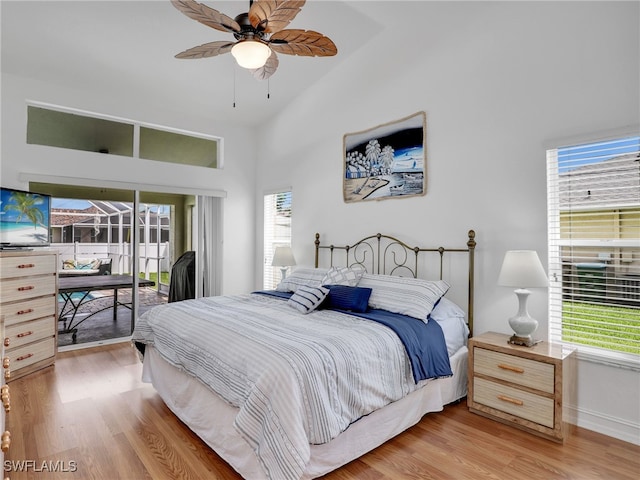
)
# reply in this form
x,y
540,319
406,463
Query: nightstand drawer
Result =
x,y
521,371
529,406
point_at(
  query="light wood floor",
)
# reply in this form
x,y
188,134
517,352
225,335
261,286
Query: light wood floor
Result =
x,y
91,413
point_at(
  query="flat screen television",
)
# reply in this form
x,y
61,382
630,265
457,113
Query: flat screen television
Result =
x,y
24,219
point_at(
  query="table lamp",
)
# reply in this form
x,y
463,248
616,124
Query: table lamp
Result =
x,y
283,258
522,269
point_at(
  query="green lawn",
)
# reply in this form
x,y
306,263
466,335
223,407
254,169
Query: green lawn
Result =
x,y
164,277
581,324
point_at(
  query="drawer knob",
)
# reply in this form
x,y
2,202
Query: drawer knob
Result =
x,y
26,265
515,401
511,368
4,396
7,341
6,441
24,334
6,362
6,399
28,287
23,312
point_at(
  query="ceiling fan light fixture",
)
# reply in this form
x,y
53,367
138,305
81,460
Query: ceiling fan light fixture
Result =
x,y
251,54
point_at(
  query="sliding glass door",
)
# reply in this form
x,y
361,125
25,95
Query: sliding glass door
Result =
x,y
116,250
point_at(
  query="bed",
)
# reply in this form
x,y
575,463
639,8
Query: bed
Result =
x,y
296,382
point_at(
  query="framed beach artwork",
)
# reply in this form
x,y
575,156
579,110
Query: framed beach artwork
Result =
x,y
387,161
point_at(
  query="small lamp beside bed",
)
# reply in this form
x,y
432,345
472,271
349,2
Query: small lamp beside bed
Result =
x,y
522,269
283,258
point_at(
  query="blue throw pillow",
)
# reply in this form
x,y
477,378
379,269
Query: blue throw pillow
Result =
x,y
344,297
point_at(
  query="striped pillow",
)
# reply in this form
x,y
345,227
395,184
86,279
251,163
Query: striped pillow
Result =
x,y
305,299
405,295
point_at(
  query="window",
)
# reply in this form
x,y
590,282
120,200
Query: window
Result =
x,y
277,233
594,247
164,146
78,132
89,132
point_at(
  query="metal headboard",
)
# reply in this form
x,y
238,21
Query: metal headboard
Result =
x,y
386,255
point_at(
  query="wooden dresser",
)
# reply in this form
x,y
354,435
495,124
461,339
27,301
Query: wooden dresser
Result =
x,y
28,302
5,437
527,387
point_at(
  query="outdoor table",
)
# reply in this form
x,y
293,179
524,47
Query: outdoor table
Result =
x,y
69,285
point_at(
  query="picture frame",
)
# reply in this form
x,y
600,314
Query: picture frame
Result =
x,y
387,161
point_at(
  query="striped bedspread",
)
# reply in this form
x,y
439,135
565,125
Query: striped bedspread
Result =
x,y
296,379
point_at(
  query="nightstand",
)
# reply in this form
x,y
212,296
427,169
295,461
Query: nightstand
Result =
x,y
527,387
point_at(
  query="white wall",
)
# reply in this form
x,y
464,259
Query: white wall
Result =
x,y
500,82
236,178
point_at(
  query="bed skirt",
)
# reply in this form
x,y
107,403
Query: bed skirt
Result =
x,y
211,418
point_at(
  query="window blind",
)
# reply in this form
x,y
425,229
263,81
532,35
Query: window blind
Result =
x,y
594,246
277,233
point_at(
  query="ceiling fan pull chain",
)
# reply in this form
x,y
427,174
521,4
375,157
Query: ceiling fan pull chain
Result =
x,y
268,88
234,86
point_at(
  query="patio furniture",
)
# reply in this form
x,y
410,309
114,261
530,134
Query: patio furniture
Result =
x,y
67,286
85,267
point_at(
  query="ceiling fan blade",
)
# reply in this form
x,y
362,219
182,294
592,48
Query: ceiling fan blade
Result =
x,y
306,43
268,69
210,49
271,16
206,15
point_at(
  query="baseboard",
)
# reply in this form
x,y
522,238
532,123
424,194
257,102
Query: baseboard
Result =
x,y
615,427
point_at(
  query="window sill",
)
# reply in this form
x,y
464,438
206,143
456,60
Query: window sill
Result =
x,y
625,361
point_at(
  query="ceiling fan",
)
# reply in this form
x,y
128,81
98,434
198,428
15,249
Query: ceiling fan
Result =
x,y
259,34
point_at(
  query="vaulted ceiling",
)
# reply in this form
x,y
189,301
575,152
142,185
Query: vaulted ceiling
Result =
x,y
129,46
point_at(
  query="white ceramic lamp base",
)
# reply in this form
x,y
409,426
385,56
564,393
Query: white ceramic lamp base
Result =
x,y
522,324
283,272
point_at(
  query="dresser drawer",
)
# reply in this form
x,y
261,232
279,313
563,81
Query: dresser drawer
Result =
x,y
521,371
529,406
29,354
26,266
24,311
23,333
28,287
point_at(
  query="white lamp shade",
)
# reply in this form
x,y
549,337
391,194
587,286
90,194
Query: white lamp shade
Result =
x,y
283,257
251,54
522,269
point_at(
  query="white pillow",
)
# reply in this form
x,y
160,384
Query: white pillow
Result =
x,y
302,276
405,295
305,299
446,309
451,319
349,276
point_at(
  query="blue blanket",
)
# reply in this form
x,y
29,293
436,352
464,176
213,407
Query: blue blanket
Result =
x,y
424,342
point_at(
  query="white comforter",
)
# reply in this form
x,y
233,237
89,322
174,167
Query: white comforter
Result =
x,y
296,379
